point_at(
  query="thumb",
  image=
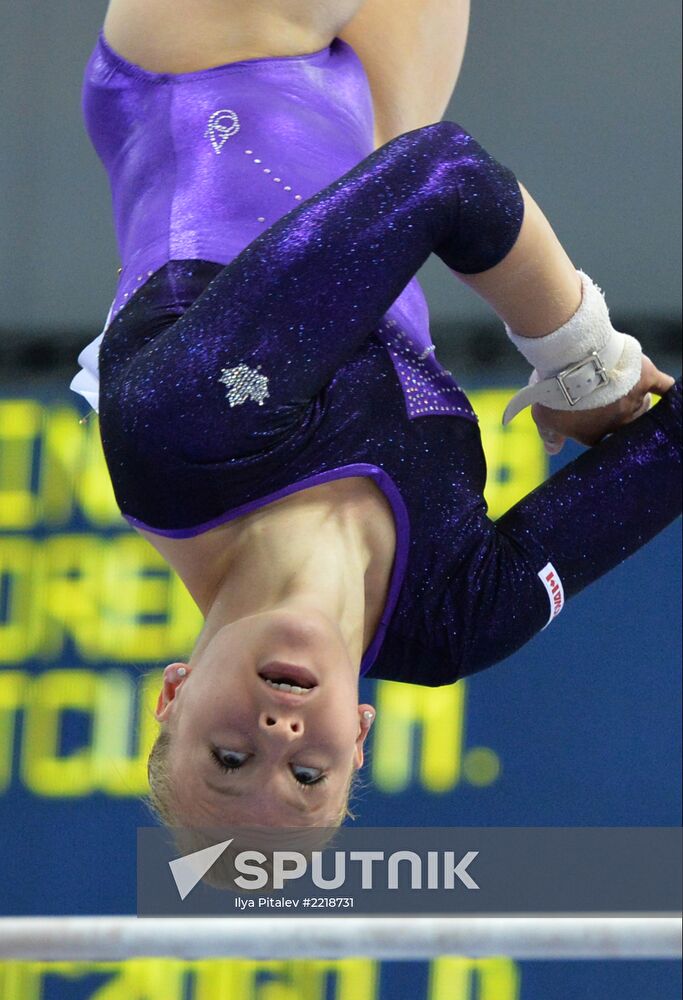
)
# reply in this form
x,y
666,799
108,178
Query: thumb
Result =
x,y
652,380
661,382
553,441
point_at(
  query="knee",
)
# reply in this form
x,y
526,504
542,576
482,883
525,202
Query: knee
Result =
x,y
447,143
480,197
457,167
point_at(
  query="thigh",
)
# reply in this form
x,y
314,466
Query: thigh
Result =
x,y
300,299
274,326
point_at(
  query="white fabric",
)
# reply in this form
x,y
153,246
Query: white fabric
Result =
x,y
587,339
584,382
589,329
87,381
550,579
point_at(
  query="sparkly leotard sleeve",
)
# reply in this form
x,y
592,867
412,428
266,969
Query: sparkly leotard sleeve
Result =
x,y
259,345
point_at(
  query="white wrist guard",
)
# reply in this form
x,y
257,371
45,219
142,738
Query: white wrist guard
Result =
x,y
583,365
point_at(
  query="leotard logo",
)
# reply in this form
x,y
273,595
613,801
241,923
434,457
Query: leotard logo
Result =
x,y
220,126
244,383
550,579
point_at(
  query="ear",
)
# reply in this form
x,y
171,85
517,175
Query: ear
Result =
x,y
366,717
175,675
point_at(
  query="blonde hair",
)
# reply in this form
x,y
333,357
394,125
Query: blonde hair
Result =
x,y
161,797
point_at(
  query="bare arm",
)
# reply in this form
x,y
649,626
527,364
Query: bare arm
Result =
x,y
535,289
412,51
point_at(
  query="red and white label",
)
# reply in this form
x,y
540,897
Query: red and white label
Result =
x,y
550,579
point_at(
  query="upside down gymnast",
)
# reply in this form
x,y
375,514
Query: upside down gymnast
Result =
x,y
272,413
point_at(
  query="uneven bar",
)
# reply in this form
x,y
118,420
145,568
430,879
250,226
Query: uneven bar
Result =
x,y
397,938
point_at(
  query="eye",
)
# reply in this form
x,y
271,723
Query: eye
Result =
x,y
228,760
307,775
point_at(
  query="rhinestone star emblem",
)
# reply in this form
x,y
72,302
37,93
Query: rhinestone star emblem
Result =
x,y
244,383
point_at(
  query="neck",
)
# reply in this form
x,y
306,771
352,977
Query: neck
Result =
x,y
304,557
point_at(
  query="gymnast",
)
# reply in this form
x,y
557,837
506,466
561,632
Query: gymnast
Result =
x,y
272,413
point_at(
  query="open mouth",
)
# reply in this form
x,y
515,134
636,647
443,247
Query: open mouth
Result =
x,y
288,678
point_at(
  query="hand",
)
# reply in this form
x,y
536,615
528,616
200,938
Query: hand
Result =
x,y
590,426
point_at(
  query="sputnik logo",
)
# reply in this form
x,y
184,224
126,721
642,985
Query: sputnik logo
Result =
x,y
220,126
191,869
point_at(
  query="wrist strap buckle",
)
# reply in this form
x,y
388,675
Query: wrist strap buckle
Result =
x,y
582,368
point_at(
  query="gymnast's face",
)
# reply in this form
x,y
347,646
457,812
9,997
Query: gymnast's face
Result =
x,y
248,750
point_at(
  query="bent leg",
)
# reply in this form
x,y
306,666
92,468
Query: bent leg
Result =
x,y
584,520
298,302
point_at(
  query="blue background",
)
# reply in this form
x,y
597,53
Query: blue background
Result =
x,y
584,722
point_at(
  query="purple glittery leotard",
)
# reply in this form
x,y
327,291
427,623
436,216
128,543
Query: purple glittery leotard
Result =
x,y
226,387
200,164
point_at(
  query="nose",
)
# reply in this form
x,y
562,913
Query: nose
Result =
x,y
285,726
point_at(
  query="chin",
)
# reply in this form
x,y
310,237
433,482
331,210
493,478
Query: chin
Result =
x,y
312,631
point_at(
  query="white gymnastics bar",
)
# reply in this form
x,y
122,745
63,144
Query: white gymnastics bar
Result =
x,y
398,938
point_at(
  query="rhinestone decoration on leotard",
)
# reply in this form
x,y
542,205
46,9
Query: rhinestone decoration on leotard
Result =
x,y
276,180
220,126
427,387
243,383
138,283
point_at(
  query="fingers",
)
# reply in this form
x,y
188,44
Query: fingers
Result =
x,y
661,383
653,380
644,406
590,426
553,441
640,397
